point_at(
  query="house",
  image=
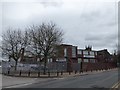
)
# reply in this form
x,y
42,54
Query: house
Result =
x,y
104,56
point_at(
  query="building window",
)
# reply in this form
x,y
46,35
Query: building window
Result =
x,y
92,53
79,60
86,60
96,53
79,51
85,52
73,51
65,52
92,60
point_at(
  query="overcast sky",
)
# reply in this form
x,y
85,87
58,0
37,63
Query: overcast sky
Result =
x,y
84,22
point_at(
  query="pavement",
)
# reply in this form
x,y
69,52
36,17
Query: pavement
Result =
x,y
11,82
85,73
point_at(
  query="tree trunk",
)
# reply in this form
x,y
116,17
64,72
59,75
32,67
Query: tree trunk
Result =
x,y
45,62
16,65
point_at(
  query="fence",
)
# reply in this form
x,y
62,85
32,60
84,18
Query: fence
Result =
x,y
55,68
97,66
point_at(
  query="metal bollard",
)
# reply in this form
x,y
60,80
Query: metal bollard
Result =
x,y
75,72
20,73
69,72
38,74
8,72
29,73
61,72
57,73
48,74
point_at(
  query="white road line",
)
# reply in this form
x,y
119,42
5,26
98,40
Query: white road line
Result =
x,y
15,86
21,84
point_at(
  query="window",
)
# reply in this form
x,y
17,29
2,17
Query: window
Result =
x,y
85,60
95,53
73,51
92,53
65,52
79,51
79,60
85,52
92,60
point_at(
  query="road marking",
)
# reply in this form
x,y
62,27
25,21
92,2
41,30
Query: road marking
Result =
x,y
58,78
15,86
115,85
20,85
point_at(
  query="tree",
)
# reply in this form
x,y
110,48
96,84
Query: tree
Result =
x,y
45,38
35,44
13,42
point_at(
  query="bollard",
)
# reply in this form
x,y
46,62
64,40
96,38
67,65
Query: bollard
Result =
x,y
38,74
29,73
69,72
91,70
48,74
81,71
20,73
57,74
61,72
86,70
8,72
75,72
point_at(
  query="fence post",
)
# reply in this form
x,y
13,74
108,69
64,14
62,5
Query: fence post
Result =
x,y
57,73
20,73
75,71
61,72
29,73
39,74
48,74
8,72
69,72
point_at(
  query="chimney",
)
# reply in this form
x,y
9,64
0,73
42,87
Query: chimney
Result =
x,y
88,48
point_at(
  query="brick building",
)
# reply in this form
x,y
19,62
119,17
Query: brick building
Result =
x,y
67,54
104,56
87,55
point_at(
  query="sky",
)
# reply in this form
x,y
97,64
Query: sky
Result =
x,y
84,22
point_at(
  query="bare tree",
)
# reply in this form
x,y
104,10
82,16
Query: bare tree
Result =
x,y
35,44
13,42
45,38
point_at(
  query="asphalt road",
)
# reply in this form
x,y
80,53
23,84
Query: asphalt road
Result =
x,y
100,80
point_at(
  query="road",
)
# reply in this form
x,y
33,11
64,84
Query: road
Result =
x,y
99,80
